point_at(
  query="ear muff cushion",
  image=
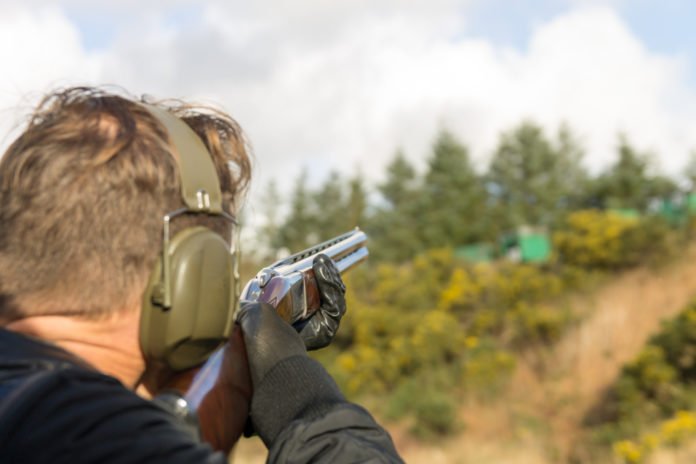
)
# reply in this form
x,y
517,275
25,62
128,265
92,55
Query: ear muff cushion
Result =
x,y
200,317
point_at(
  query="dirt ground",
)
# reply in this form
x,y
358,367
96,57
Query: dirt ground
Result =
x,y
538,420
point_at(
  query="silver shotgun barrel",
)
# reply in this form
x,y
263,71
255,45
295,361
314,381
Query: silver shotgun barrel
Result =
x,y
346,251
288,284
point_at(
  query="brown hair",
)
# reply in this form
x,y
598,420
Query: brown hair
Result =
x,y
82,194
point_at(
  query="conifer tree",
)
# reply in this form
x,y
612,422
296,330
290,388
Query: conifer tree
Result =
x,y
329,208
394,229
628,183
297,231
356,207
452,203
269,231
528,177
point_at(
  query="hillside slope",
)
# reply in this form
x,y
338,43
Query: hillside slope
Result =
x,y
538,420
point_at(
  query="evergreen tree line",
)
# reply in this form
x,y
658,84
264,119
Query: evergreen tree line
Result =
x,y
531,180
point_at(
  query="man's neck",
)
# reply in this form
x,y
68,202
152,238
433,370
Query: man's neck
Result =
x,y
110,345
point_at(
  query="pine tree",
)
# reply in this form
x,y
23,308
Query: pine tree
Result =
x,y
568,166
394,228
269,231
297,231
690,171
627,183
356,207
329,208
452,204
528,177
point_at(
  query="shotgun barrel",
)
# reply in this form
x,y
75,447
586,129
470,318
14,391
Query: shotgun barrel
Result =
x,y
289,285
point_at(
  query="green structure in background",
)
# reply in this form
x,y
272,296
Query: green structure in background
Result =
x,y
691,203
476,252
674,212
535,247
528,245
627,213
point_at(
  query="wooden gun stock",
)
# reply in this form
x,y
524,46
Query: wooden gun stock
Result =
x,y
220,390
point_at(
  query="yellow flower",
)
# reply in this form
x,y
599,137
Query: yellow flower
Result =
x,y
471,342
347,362
628,450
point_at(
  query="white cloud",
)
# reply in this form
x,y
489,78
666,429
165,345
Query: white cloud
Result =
x,y
340,84
587,68
39,49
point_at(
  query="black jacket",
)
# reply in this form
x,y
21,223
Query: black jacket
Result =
x,y
56,408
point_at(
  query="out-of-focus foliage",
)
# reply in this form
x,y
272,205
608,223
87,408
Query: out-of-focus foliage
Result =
x,y
451,180
424,328
531,180
393,228
338,206
296,233
690,170
595,239
671,432
436,317
330,208
356,210
445,325
657,384
628,182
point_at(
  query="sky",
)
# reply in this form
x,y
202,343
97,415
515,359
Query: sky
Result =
x,y
342,85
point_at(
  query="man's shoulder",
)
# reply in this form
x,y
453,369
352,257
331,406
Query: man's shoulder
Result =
x,y
54,408
19,353
29,363
44,388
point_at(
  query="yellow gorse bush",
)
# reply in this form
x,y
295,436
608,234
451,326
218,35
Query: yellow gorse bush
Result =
x,y
450,327
407,319
463,291
674,431
595,239
629,451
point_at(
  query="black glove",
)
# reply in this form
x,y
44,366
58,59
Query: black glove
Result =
x,y
268,338
318,331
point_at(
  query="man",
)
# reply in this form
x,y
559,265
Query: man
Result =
x,y
83,193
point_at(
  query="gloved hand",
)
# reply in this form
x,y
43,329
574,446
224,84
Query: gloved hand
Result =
x,y
268,338
318,331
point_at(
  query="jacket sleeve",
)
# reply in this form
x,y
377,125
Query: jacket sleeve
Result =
x,y
301,415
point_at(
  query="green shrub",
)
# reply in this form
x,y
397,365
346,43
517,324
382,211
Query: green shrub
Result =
x,y
657,383
595,239
435,415
486,366
539,323
607,240
430,408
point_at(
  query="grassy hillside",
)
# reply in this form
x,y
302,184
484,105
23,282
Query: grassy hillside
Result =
x,y
508,362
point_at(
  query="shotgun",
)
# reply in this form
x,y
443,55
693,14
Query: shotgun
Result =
x,y
220,390
289,285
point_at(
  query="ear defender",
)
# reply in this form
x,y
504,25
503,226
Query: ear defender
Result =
x,y
189,302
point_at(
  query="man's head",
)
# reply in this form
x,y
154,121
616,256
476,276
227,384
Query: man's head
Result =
x,y
82,195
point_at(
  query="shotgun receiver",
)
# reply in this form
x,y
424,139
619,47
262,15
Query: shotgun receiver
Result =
x,y
289,284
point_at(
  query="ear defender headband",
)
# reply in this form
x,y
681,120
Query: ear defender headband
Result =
x,y
189,302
